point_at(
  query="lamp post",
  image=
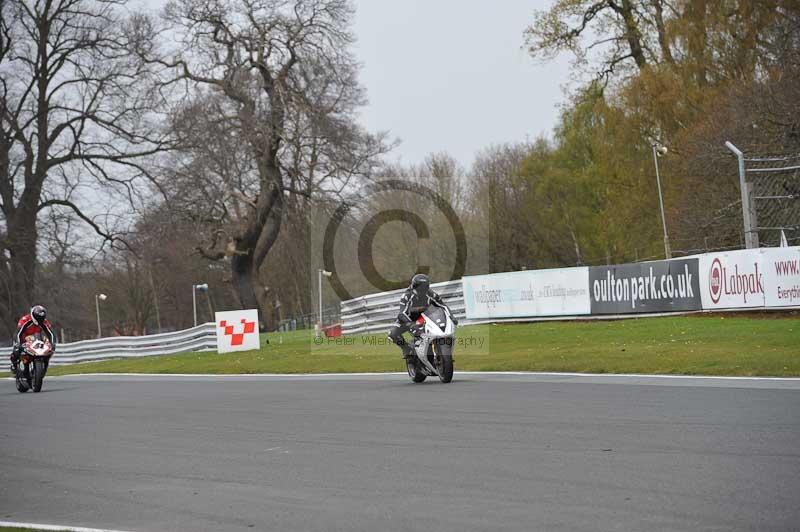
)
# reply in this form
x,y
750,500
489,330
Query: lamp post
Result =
x,y
658,151
155,297
320,274
97,299
195,287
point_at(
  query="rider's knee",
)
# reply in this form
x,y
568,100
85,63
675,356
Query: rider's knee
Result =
x,y
396,336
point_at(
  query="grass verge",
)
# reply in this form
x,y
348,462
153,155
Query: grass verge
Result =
x,y
689,345
18,529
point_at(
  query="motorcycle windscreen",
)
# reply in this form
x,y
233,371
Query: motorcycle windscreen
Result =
x,y
438,316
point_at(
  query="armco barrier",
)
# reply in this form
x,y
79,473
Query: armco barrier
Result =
x,y
377,312
200,338
767,278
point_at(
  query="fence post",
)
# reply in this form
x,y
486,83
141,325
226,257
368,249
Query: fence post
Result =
x,y
751,205
750,236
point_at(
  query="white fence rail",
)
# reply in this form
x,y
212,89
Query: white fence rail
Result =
x,y
377,312
200,338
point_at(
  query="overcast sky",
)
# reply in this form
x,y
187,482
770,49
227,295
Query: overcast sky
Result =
x,y
452,75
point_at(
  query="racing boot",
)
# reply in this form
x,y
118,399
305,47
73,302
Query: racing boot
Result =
x,y
14,363
408,351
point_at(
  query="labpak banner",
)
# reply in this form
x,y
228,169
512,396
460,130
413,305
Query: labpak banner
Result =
x,y
647,287
558,292
765,277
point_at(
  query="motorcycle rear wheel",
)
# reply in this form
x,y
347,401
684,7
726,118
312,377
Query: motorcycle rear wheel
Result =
x,y
23,384
415,371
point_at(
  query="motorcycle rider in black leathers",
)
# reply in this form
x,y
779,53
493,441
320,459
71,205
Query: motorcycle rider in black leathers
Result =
x,y
415,300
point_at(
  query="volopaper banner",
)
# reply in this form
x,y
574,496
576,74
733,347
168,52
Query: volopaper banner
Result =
x,y
645,287
237,330
751,278
561,292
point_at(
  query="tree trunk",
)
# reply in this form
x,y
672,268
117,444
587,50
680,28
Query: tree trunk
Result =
x,y
21,244
663,40
252,249
632,34
697,40
244,280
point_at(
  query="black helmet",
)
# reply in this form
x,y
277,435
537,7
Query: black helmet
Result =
x,y
38,313
420,283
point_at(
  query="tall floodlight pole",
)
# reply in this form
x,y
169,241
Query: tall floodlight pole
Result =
x,y
320,273
97,299
657,152
750,237
195,287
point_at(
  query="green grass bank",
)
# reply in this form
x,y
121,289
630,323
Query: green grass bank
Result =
x,y
688,345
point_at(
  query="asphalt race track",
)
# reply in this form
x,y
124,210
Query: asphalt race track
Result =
x,y
377,453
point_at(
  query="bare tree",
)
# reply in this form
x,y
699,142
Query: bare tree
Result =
x,y
414,237
279,80
712,40
498,192
73,117
615,29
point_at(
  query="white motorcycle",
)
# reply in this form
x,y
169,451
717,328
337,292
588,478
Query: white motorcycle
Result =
x,y
434,337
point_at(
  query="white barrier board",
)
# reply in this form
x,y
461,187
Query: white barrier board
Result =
x,y
734,279
781,276
237,330
750,278
559,292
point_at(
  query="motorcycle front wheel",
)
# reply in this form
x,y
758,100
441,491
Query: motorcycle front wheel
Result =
x,y
443,352
39,369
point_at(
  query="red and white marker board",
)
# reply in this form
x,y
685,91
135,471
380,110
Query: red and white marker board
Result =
x,y
237,330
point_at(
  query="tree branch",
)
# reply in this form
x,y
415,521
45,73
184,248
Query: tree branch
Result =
x,y
65,203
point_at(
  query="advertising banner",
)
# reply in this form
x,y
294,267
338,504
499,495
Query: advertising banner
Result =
x,y
734,279
237,330
781,276
560,292
659,286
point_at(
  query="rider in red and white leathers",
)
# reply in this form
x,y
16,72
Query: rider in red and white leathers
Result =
x,y
31,324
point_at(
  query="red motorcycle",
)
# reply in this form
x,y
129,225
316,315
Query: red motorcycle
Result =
x,y
33,363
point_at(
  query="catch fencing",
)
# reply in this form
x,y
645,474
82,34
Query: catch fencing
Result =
x,y
770,189
200,338
766,278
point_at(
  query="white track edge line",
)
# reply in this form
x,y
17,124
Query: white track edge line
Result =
x,y
488,373
38,526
